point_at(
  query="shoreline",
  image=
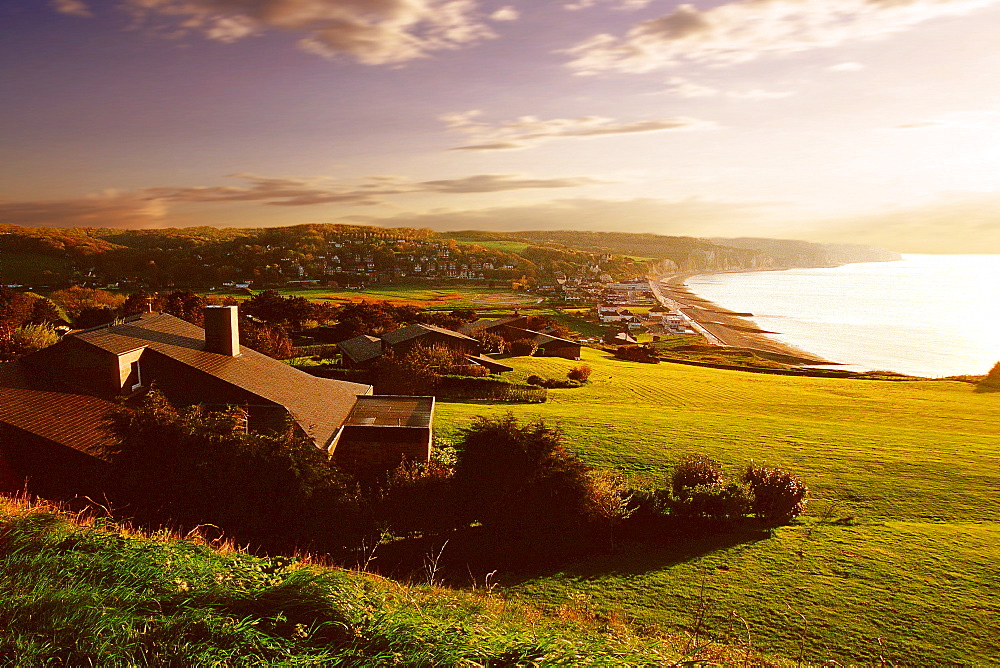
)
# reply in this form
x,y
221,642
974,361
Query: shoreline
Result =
x,y
723,327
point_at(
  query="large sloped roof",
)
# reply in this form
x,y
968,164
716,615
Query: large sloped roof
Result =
x,y
28,403
318,405
361,348
420,329
545,339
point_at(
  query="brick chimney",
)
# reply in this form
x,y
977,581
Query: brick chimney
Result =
x,y
222,332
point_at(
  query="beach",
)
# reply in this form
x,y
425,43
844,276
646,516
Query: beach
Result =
x,y
727,328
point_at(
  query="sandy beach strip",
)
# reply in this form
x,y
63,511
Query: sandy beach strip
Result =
x,y
725,327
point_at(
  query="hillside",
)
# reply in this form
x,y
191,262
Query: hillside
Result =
x,y
86,592
895,556
205,257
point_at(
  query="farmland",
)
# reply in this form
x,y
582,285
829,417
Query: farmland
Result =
x,y
895,557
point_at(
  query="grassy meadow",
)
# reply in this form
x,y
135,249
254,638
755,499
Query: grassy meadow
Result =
x,y
895,559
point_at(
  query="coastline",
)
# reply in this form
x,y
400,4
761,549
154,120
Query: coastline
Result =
x,y
727,328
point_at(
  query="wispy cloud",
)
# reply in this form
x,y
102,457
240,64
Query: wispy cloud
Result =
x,y
373,32
528,131
620,4
72,7
506,14
744,30
685,217
847,67
979,120
107,209
684,88
151,207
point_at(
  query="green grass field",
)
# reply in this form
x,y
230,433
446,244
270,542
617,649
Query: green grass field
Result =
x,y
425,296
896,557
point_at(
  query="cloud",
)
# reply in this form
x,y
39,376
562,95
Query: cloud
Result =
x,y
978,120
506,14
373,32
370,191
684,217
72,7
275,191
491,183
619,4
744,30
528,131
684,88
107,209
956,223
847,67
150,207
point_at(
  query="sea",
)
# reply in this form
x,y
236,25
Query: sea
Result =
x,y
924,315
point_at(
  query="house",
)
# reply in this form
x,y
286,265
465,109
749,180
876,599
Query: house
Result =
x,y
552,346
361,351
53,402
514,327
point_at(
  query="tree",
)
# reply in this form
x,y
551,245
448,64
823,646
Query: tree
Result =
x,y
490,342
416,371
527,490
272,341
274,309
993,377
194,466
778,496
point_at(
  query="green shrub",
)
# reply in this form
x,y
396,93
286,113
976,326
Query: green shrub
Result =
x,y
581,373
993,377
778,496
693,471
551,383
721,503
531,495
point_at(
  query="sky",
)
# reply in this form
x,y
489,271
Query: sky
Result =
x,y
852,121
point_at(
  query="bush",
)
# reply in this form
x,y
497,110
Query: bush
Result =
x,y
531,495
778,496
551,383
694,471
491,343
993,377
581,373
523,348
725,504
637,354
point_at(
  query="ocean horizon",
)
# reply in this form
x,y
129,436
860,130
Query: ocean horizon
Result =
x,y
924,315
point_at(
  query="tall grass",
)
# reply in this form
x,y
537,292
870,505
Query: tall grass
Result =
x,y
86,592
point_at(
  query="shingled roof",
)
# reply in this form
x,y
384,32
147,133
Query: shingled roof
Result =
x,y
318,405
420,329
27,403
361,348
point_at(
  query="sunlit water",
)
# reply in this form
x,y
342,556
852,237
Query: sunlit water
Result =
x,y
926,315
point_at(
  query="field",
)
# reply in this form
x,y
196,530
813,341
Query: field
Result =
x,y
895,559
423,296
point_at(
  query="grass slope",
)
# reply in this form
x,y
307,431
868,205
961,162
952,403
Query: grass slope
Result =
x,y
895,557
90,593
